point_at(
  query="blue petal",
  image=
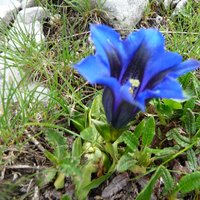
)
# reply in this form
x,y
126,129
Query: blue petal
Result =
x,y
124,114
185,67
92,69
151,38
127,96
125,92
141,46
109,46
108,100
169,88
158,66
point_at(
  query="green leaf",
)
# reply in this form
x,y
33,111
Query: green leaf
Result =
x,y
190,122
58,143
77,148
89,134
96,182
60,181
145,194
78,122
172,104
125,162
197,123
192,159
168,180
130,140
189,182
162,153
189,104
149,131
70,166
51,157
96,108
163,109
139,129
65,197
85,179
47,176
180,139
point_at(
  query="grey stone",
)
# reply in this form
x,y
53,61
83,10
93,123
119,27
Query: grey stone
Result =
x,y
28,3
10,78
29,15
124,13
25,34
180,5
167,3
8,9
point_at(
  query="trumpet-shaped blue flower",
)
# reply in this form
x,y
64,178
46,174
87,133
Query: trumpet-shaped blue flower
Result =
x,y
133,71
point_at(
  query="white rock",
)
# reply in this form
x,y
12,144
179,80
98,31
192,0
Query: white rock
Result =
x,y
8,9
28,3
10,76
40,93
25,34
180,5
124,13
11,87
167,3
29,15
8,71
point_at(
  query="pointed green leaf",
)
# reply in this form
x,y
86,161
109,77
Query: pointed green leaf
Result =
x,y
192,159
77,148
96,108
149,131
197,122
60,181
145,194
162,153
65,197
58,143
47,176
125,162
194,182
180,139
51,157
139,129
190,122
173,104
189,104
130,140
89,134
168,180
96,182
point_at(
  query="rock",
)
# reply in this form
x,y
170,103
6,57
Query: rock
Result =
x,y
177,4
29,15
10,77
8,8
167,3
124,13
40,92
25,34
28,3
180,5
11,87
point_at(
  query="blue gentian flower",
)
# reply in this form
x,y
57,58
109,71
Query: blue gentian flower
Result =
x,y
133,71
